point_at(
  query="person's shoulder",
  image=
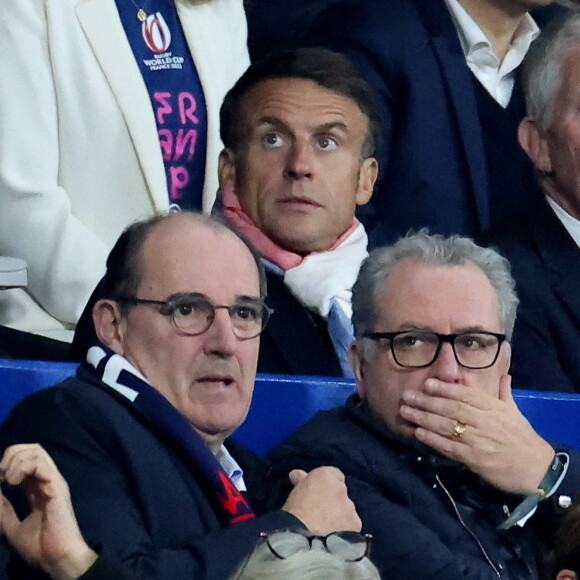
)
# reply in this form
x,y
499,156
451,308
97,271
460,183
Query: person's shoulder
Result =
x,y
349,18
48,398
515,234
77,404
330,437
543,16
534,239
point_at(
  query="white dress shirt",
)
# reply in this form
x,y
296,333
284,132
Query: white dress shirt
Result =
x,y
497,77
232,468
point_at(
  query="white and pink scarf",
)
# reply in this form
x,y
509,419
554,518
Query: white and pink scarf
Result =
x,y
321,281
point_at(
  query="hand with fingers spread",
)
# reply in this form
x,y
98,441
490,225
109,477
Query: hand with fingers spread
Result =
x,y
486,433
49,537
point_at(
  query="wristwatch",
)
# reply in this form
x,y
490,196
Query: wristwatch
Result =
x,y
552,476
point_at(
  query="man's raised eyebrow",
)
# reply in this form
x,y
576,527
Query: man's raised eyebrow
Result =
x,y
325,127
273,121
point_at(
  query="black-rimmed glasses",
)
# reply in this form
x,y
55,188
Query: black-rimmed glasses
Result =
x,y
193,314
418,348
350,546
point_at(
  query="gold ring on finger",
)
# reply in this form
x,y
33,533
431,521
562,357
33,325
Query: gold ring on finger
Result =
x,y
459,429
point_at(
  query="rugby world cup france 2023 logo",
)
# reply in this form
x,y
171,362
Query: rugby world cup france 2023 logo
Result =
x,y
156,33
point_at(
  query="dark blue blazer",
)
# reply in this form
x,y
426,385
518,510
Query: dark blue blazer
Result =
x,y
546,266
433,156
296,340
134,494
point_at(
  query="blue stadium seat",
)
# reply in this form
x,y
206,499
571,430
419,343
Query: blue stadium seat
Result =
x,y
19,378
282,403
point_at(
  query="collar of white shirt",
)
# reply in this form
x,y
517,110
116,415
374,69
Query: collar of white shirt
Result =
x,y
497,77
232,468
571,224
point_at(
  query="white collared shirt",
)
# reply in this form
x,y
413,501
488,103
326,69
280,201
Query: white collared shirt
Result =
x,y
571,224
232,468
497,77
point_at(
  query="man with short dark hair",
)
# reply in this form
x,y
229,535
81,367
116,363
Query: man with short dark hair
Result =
x,y
445,471
447,76
299,130
141,434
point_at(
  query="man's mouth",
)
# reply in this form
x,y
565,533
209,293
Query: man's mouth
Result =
x,y
300,201
225,379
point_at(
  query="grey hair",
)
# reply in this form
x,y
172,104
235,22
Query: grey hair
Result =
x,y
437,250
316,564
543,66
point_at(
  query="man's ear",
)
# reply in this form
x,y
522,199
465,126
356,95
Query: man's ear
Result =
x,y
358,366
109,324
534,143
227,170
566,575
369,171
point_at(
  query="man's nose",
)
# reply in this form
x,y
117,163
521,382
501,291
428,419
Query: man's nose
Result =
x,y
299,163
445,367
220,337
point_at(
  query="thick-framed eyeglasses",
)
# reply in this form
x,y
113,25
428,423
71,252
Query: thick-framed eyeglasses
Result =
x,y
418,349
193,314
350,546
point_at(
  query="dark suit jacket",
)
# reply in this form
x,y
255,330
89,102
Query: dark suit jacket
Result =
x,y
433,156
277,24
546,266
296,340
132,492
18,344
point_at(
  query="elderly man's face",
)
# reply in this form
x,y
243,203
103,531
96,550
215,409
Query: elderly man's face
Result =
x,y
442,299
560,144
209,377
298,172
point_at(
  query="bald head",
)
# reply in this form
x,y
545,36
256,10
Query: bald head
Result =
x,y
125,263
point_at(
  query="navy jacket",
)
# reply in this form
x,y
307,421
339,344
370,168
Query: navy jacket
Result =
x,y
433,159
545,263
295,340
19,344
132,492
430,517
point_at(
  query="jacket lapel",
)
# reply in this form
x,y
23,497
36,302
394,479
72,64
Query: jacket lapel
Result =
x,y
293,330
559,254
102,26
437,21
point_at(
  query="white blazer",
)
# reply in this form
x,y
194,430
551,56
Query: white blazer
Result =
x,y
79,154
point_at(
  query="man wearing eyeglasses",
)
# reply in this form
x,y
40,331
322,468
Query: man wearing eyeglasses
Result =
x,y
141,433
446,473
